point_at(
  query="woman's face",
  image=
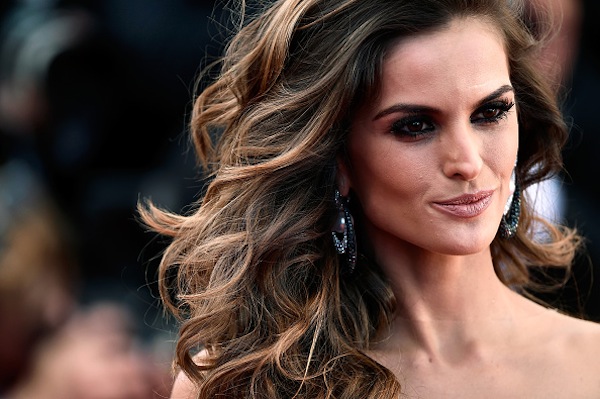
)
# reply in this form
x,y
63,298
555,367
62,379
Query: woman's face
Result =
x,y
429,160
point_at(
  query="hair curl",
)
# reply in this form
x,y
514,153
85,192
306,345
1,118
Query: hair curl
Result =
x,y
251,271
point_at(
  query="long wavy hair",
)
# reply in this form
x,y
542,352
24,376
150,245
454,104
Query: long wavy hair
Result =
x,y
251,271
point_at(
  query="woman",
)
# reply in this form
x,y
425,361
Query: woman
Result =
x,y
398,124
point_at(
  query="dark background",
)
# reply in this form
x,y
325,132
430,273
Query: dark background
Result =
x,y
100,93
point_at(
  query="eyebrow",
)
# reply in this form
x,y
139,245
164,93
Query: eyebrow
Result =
x,y
416,109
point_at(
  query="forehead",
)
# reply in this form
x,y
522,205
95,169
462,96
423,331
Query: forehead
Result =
x,y
468,54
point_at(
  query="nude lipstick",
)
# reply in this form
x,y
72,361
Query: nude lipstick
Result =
x,y
468,205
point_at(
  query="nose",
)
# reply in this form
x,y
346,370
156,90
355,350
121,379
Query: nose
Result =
x,y
461,153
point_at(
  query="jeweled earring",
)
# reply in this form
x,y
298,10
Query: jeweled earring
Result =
x,y
344,238
512,210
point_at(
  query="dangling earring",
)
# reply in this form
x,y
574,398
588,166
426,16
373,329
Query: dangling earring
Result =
x,y
344,238
512,210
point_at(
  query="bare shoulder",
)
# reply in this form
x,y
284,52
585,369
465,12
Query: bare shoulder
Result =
x,y
578,330
577,345
184,387
566,352
581,336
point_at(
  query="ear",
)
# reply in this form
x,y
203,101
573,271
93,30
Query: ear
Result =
x,y
343,175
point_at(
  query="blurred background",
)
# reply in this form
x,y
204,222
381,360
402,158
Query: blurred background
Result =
x,y
94,102
94,98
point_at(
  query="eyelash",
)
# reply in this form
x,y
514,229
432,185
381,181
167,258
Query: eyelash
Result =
x,y
425,125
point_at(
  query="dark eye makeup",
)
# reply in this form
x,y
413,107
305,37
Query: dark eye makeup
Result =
x,y
416,126
492,112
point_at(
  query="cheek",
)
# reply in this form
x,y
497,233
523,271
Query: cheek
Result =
x,y
502,161
501,152
384,180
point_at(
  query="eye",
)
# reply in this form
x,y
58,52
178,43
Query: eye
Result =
x,y
492,112
412,127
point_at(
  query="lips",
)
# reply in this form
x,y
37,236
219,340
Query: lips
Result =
x,y
466,206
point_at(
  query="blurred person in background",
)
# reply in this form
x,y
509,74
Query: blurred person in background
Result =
x,y
38,275
70,90
92,96
50,347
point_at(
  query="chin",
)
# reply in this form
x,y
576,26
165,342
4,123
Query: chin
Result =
x,y
466,246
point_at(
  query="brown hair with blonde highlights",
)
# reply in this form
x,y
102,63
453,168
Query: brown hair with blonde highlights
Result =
x,y
257,282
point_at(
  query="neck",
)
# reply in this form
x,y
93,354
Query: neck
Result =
x,y
448,305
